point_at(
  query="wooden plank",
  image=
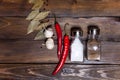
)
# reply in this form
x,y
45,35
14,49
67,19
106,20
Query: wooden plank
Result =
x,y
14,7
18,51
16,27
13,27
17,47
69,72
66,8
84,8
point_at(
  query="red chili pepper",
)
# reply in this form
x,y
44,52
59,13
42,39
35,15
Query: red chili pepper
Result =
x,y
59,38
63,55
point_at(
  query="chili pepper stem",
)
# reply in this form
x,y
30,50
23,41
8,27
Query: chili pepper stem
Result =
x,y
65,29
55,18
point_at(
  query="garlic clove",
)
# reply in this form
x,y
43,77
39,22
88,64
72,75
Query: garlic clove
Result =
x,y
50,43
48,33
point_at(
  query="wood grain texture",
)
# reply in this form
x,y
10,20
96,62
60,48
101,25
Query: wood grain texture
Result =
x,y
16,28
14,7
69,72
84,8
66,8
16,51
21,51
17,47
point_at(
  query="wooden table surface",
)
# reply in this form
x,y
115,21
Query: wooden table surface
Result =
x,y
22,58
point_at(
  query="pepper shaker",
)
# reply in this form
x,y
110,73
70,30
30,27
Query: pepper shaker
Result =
x,y
93,44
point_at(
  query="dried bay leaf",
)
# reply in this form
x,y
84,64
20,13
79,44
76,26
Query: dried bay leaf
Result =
x,y
42,15
39,35
36,16
32,1
38,4
32,15
42,26
33,24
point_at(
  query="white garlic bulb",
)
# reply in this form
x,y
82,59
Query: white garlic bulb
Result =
x,y
48,33
49,43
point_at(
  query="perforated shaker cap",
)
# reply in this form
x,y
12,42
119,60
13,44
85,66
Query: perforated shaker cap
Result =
x,y
93,30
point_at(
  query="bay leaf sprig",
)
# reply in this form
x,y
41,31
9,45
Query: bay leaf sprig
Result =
x,y
39,35
37,4
32,15
42,26
42,15
31,1
32,26
36,17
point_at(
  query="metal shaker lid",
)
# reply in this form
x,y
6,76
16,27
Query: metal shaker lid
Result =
x,y
75,29
93,30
